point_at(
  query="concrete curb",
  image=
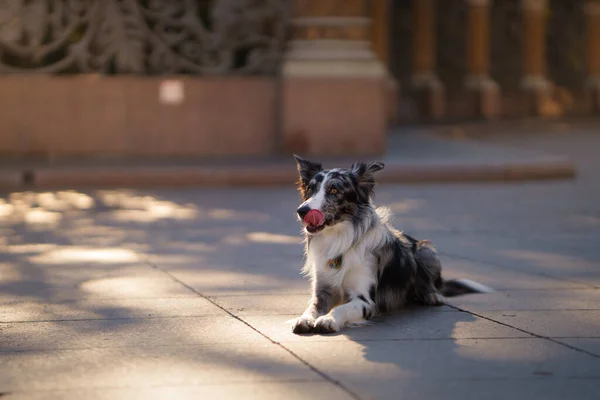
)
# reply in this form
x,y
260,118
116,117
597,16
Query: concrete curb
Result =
x,y
270,175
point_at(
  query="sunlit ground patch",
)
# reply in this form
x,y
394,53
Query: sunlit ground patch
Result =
x,y
111,255
266,237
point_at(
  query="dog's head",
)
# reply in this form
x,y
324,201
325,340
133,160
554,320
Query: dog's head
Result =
x,y
332,196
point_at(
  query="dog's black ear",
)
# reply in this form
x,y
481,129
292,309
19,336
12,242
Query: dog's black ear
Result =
x,y
362,169
365,178
307,170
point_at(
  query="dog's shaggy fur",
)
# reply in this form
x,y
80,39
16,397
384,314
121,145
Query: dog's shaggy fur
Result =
x,y
359,265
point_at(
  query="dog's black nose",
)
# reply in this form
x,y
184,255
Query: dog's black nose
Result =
x,y
302,211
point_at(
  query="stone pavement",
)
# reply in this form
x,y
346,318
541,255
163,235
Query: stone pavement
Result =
x,y
143,294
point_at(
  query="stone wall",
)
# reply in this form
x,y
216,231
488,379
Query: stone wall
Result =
x,y
94,115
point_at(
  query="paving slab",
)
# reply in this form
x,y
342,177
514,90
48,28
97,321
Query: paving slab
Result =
x,y
558,211
546,259
555,323
381,370
39,282
100,308
170,365
215,283
415,324
29,336
531,300
263,390
264,304
502,279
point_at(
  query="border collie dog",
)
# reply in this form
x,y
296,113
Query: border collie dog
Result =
x,y
359,265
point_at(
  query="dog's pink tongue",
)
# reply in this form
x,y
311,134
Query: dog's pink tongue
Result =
x,y
314,218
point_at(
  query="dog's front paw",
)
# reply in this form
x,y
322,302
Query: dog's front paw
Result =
x,y
327,324
304,325
433,299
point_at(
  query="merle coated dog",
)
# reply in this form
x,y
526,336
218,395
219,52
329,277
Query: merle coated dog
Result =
x,y
359,265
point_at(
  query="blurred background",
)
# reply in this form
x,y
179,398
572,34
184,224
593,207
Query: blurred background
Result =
x,y
259,78
143,257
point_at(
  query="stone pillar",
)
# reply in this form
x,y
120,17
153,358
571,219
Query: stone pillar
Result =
x,y
486,93
427,89
380,29
380,37
534,82
592,11
334,98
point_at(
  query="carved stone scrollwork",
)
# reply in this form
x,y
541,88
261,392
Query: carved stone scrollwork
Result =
x,y
142,36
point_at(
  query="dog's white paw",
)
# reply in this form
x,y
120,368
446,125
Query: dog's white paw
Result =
x,y
304,325
327,324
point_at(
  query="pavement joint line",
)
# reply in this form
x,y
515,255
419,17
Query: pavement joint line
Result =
x,y
550,339
495,264
289,351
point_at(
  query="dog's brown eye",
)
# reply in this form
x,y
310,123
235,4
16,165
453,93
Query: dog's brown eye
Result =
x,y
333,191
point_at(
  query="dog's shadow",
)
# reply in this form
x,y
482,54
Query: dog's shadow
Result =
x,y
416,339
409,353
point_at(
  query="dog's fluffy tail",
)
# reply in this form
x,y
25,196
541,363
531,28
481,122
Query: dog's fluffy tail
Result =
x,y
458,287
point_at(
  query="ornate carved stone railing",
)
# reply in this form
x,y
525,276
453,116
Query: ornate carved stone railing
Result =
x,y
142,36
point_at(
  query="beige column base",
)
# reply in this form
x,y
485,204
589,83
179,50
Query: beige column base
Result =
x,y
368,68
429,94
486,96
334,107
536,83
539,96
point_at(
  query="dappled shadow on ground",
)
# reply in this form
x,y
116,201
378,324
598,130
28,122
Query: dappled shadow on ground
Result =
x,y
83,271
77,234
104,270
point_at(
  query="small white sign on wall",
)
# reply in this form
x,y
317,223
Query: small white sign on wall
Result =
x,y
171,92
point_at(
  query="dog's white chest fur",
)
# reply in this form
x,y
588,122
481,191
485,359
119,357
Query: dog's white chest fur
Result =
x,y
358,259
